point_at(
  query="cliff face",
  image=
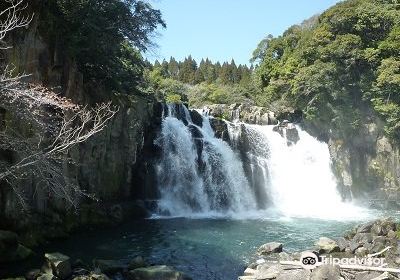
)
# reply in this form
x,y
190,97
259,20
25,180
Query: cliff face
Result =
x,y
107,165
367,166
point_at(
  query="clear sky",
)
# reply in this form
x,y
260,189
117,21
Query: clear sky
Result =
x,y
226,29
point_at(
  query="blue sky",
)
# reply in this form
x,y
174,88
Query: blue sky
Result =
x,y
226,29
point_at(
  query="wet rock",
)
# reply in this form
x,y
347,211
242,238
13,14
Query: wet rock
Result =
x,y
269,248
391,234
92,276
354,246
361,252
268,272
384,276
196,117
10,249
59,264
159,272
364,228
47,276
292,135
250,272
109,266
343,244
195,131
32,274
362,238
294,274
137,262
283,256
367,275
326,272
326,245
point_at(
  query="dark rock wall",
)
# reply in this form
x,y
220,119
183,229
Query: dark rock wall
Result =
x,y
112,164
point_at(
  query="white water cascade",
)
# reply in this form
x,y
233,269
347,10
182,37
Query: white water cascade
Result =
x,y
256,176
198,174
301,182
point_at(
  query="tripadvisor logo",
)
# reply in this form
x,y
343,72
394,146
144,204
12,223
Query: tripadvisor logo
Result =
x,y
309,260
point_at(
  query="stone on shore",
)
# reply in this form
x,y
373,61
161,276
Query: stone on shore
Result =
x,y
159,272
326,245
109,266
269,248
326,272
59,264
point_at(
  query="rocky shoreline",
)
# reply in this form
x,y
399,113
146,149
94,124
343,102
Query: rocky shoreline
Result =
x,y
58,266
364,253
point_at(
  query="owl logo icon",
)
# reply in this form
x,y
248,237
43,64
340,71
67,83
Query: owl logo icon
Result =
x,y
308,260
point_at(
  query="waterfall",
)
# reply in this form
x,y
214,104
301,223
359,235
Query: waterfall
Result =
x,y
259,173
198,173
297,178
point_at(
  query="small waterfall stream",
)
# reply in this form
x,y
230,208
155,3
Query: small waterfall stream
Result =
x,y
201,175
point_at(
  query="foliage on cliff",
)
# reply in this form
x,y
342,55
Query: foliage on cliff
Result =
x,y
105,37
202,83
337,65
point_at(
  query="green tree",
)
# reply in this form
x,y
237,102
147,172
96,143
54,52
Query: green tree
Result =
x,y
99,34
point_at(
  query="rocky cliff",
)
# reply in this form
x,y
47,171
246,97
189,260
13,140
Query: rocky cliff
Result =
x,y
108,165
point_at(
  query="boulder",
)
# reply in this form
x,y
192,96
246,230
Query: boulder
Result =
x,y
383,276
292,135
366,275
10,249
362,238
392,234
47,276
196,117
18,254
354,246
377,229
109,266
326,245
92,276
343,244
8,241
268,272
269,248
158,272
361,252
326,272
364,228
32,274
137,262
59,264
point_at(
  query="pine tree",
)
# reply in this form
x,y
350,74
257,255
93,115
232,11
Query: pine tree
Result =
x,y
188,70
173,68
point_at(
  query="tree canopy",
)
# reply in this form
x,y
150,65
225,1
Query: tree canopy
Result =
x,y
104,36
337,64
201,83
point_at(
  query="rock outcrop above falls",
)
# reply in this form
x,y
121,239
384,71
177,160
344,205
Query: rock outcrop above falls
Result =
x,y
244,113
